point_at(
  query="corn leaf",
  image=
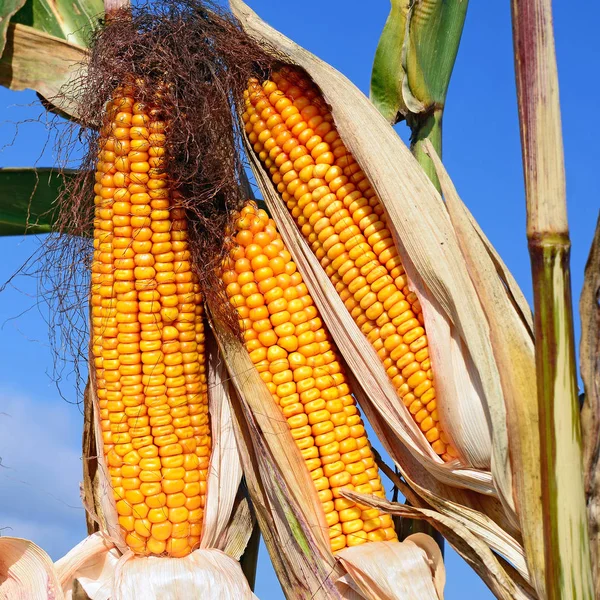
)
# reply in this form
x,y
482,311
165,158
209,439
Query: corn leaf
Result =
x,y
415,56
564,544
28,199
7,10
71,20
47,64
428,248
589,353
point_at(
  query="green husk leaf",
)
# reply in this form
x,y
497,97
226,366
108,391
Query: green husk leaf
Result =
x,y
415,57
7,10
29,196
71,20
41,62
589,357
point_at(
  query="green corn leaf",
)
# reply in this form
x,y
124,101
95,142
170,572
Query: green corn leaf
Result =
x,y
71,20
415,56
28,199
7,10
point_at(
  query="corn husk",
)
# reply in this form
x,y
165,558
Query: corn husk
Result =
x,y
420,224
502,581
106,568
478,324
290,514
26,572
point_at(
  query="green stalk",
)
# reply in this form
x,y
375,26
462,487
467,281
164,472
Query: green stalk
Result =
x,y
567,568
430,128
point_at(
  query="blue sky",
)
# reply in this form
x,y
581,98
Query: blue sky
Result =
x,y
40,430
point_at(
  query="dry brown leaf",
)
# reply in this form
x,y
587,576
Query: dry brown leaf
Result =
x,y
589,353
35,60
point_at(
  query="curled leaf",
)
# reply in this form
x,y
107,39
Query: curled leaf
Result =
x,y
41,62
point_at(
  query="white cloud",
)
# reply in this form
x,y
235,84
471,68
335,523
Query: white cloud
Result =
x,y
40,473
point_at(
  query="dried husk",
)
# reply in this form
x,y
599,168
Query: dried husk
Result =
x,y
476,552
290,513
26,572
421,226
384,570
105,567
482,515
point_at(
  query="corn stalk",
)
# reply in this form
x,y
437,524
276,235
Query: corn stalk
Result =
x,y
565,539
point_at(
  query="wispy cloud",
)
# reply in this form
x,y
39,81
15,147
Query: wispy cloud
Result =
x,y
40,472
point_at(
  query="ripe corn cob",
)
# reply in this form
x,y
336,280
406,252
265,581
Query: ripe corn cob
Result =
x,y
147,338
294,355
338,213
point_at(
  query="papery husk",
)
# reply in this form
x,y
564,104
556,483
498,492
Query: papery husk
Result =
x,y
205,572
420,225
482,515
475,551
513,345
283,497
26,572
290,513
413,568
106,568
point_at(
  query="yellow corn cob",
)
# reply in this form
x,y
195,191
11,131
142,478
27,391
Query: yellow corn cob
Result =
x,y
295,357
338,213
147,338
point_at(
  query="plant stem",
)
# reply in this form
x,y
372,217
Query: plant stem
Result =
x,y
568,569
567,564
430,128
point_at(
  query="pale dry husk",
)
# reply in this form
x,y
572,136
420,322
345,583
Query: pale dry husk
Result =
x,y
478,321
106,568
291,516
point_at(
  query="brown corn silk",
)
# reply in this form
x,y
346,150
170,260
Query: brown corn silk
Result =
x,y
147,336
294,354
291,129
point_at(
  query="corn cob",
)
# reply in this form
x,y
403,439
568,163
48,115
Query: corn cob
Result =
x,y
295,357
147,338
338,213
